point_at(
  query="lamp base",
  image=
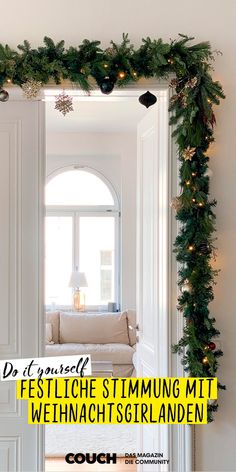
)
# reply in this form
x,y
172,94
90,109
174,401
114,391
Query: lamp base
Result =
x,y
79,300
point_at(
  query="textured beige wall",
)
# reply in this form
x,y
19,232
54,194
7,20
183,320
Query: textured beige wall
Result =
x,y
211,20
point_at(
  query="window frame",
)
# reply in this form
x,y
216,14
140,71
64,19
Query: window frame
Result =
x,y
94,211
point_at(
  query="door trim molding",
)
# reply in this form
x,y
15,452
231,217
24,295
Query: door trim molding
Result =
x,y
180,435
41,216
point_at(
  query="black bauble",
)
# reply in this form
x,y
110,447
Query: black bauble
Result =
x,y
107,85
4,95
147,99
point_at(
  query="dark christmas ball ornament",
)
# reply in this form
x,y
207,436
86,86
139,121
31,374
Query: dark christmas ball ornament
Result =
x,y
147,99
211,346
107,85
4,95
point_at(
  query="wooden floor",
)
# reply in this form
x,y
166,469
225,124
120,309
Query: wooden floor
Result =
x,y
59,465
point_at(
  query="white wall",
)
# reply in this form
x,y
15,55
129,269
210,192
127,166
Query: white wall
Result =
x,y
211,20
114,155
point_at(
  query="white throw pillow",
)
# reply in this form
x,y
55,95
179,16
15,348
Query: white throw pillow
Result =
x,y
48,334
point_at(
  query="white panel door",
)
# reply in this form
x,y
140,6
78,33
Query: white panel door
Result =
x,y
152,263
21,177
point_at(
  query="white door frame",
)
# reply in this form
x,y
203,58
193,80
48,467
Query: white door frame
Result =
x,y
41,328
180,436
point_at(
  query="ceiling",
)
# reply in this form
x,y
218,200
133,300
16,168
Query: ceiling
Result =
x,y
111,115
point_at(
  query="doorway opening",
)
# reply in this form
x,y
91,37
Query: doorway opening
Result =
x,y
114,140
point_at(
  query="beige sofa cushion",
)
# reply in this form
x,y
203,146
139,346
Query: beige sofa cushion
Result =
x,y
115,353
53,318
131,316
94,328
48,334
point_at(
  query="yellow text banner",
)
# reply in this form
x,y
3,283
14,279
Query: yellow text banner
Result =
x,y
117,400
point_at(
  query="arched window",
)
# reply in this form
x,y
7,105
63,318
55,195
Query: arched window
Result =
x,y
78,187
82,222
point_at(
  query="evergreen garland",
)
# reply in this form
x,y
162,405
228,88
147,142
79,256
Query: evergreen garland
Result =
x,y
192,115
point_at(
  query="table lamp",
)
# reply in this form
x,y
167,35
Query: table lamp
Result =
x,y
78,280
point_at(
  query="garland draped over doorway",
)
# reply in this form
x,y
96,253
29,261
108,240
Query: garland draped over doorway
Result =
x,y
192,115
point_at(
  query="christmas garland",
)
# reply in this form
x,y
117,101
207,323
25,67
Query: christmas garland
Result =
x,y
192,114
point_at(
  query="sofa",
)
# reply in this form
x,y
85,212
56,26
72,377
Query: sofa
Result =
x,y
105,336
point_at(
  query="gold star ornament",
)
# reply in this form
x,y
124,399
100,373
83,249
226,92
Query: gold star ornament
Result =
x,y
188,153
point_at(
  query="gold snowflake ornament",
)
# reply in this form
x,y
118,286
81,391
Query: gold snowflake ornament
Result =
x,y
188,153
31,88
64,103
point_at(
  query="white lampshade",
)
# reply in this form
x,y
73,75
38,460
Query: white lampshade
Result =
x,y
78,279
